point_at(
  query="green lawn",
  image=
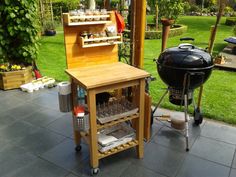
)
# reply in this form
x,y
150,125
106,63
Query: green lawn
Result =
x,y
219,92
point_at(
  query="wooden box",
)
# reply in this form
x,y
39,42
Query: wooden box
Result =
x,y
14,79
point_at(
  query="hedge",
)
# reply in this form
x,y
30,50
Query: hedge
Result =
x,y
176,31
230,21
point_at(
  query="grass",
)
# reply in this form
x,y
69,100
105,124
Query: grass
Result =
x,y
219,91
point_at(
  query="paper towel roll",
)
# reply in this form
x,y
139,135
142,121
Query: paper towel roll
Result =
x,y
64,88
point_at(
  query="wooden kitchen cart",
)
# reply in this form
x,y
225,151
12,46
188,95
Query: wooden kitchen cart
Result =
x,y
93,65
104,77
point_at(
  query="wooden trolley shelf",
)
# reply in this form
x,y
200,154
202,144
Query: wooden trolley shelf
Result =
x,y
102,41
114,150
117,149
109,124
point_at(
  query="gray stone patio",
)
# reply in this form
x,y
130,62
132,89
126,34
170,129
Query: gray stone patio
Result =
x,y
36,140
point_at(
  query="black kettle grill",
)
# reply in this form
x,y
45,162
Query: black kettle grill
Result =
x,y
183,69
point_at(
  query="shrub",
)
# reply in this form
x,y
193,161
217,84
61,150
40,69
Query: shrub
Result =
x,y
213,8
170,9
175,31
99,3
63,6
230,21
186,7
19,27
228,11
195,8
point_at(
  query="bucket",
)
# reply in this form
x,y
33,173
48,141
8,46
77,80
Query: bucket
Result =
x,y
64,96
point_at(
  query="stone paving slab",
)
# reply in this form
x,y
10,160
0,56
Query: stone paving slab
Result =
x,y
36,140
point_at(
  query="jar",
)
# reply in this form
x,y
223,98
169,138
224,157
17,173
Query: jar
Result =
x,y
103,12
73,12
102,35
81,15
96,14
96,35
84,35
89,12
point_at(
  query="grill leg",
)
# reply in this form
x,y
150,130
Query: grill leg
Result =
x,y
158,104
186,121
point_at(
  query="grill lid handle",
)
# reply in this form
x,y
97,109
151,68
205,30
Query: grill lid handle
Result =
x,y
186,46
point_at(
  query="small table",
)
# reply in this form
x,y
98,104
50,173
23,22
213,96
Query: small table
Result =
x,y
101,78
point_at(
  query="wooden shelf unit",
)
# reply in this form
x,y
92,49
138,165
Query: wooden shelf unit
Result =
x,y
81,20
101,41
96,69
79,54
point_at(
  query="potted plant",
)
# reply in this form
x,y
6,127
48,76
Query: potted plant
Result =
x,y
169,10
49,28
19,38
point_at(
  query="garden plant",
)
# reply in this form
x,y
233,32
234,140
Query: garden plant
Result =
x,y
19,31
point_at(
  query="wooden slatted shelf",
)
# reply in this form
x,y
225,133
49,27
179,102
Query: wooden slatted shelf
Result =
x,y
117,149
114,150
109,124
101,41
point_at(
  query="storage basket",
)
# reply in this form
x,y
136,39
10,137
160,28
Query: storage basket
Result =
x,y
83,123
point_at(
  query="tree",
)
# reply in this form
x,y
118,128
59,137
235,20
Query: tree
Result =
x,y
170,9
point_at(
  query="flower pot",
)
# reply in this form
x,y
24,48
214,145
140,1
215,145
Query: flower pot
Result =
x,y
166,23
50,32
14,79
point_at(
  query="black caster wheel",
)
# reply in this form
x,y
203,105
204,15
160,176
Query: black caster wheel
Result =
x,y
78,148
197,116
94,171
187,149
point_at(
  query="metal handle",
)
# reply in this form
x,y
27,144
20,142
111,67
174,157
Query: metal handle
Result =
x,y
187,39
186,46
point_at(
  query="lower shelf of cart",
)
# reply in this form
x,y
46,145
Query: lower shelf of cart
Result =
x,y
114,150
117,149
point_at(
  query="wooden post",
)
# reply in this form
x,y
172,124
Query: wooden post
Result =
x,y
139,33
132,31
107,4
213,34
156,16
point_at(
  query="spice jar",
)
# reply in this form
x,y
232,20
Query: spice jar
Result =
x,y
89,12
103,12
84,35
96,14
96,35
81,15
103,35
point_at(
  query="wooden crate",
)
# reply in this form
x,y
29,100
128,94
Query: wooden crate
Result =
x,y
14,79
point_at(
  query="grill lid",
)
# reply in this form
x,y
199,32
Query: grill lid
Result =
x,y
185,56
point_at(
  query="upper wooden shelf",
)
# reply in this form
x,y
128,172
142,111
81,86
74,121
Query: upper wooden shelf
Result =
x,y
83,20
101,41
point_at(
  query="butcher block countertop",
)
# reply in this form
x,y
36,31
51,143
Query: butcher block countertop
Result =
x,y
106,74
